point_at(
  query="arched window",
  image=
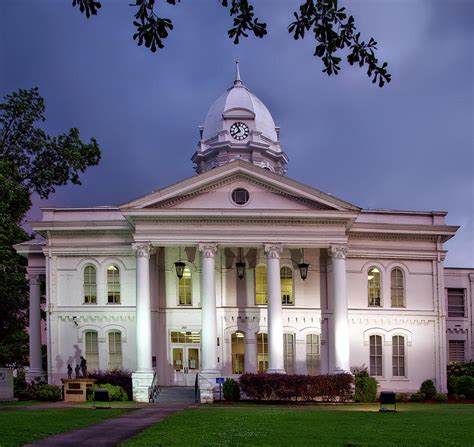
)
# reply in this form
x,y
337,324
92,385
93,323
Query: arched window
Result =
x,y
90,285
312,354
185,288
113,284
92,350
262,352
238,352
373,281
261,293
289,353
286,280
398,356
376,355
115,350
397,287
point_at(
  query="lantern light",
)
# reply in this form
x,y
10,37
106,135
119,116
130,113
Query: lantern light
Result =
x,y
303,267
179,268
240,266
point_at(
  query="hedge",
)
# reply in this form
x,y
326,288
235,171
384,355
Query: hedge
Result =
x,y
287,387
117,377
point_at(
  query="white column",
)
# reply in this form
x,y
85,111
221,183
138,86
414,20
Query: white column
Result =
x,y
275,320
34,329
340,317
143,322
208,305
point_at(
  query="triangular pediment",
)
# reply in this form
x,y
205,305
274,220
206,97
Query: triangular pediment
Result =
x,y
213,190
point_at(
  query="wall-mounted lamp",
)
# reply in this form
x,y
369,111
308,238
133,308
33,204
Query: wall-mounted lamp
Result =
x,y
240,266
303,267
179,266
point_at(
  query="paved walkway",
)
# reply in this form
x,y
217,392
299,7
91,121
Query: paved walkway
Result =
x,y
115,430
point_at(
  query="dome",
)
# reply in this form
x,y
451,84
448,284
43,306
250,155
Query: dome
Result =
x,y
239,97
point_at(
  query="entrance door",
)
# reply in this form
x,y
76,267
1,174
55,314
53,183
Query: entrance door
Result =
x,y
185,365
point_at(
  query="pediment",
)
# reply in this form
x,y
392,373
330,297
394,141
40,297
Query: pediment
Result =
x,y
213,190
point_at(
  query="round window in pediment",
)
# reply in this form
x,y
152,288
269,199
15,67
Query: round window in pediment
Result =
x,y
240,196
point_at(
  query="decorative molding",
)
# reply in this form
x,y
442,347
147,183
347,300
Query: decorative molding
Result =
x,y
337,251
175,200
142,250
96,318
34,279
208,250
273,251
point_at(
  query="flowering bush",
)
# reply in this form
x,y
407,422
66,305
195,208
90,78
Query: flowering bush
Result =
x,y
458,369
285,387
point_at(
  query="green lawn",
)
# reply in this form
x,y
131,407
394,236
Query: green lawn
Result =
x,y
306,426
19,403
18,427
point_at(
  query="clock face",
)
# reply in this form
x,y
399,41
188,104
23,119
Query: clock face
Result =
x,y
239,131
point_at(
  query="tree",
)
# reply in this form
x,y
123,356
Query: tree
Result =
x,y
332,29
31,161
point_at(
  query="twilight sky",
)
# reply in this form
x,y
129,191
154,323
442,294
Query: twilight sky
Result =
x,y
408,146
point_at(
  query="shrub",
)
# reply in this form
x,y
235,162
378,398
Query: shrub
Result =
x,y
440,397
458,369
418,397
231,390
284,387
45,392
117,377
401,397
453,384
116,393
365,387
428,389
465,386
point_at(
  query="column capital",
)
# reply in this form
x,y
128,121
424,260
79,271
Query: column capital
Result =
x,y
34,279
142,249
208,249
273,251
337,251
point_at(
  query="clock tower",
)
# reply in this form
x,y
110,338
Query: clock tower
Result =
x,y
238,126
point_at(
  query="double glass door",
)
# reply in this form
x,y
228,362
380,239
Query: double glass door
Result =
x,y
185,357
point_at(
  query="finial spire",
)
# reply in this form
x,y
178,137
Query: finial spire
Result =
x,y
237,74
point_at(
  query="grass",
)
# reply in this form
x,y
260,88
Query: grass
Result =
x,y
18,427
420,425
19,403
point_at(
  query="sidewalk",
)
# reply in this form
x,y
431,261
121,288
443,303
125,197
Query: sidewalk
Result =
x,y
113,431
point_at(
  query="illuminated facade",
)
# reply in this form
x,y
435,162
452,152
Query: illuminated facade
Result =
x,y
241,268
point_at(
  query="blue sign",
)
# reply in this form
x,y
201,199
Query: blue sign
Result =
x,y
220,380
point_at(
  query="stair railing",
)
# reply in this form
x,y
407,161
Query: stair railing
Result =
x,y
196,389
153,390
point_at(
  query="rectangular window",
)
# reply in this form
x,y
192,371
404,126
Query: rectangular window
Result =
x,y
115,350
261,296
92,350
185,337
262,352
238,353
185,288
398,356
113,285
456,303
289,353
90,285
286,281
375,355
456,351
312,354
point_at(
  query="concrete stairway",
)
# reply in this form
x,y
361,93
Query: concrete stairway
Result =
x,y
176,394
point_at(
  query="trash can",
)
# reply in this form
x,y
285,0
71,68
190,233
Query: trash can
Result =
x,y
387,398
102,396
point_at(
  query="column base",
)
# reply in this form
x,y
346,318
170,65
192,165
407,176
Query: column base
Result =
x,y
141,382
341,371
208,386
35,375
276,371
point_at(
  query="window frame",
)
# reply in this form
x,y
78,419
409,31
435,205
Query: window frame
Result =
x,y
264,293
458,342
179,280
289,358
91,363
119,282
87,285
237,358
380,287
118,353
373,370
401,287
313,360
292,294
263,343
453,290
396,355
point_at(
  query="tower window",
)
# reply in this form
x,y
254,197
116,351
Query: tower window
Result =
x,y
240,196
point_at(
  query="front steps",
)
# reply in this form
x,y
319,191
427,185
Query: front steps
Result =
x,y
176,394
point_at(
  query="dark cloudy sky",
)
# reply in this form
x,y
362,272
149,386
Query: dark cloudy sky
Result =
x,y
407,146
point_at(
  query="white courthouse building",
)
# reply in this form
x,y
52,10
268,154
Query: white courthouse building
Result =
x,y
242,269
